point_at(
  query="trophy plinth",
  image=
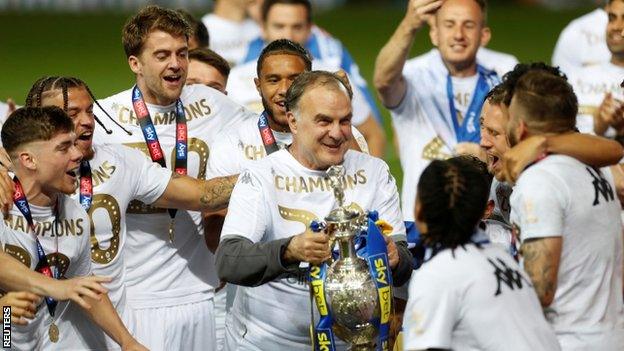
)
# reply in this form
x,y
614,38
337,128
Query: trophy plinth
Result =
x,y
350,290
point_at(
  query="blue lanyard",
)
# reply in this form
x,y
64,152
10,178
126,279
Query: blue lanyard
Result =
x,y
86,185
469,131
151,138
43,266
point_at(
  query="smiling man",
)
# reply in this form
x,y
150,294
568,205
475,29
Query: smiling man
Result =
x,y
170,275
265,236
435,106
49,232
601,103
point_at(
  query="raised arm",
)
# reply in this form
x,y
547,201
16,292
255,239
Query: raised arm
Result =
x,y
388,76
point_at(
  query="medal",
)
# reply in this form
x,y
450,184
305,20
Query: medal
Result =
x,y
171,230
153,145
53,333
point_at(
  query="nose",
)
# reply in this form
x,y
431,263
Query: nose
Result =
x,y
174,63
284,84
485,142
76,155
84,119
335,131
289,33
458,33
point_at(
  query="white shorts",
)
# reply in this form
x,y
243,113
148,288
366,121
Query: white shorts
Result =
x,y
184,327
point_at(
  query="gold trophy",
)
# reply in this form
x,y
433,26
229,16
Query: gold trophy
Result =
x,y
349,288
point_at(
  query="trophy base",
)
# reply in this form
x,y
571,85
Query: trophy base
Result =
x,y
363,347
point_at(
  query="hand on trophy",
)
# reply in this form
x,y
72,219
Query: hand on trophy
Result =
x,y
393,253
308,247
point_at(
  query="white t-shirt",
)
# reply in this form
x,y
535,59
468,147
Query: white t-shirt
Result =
x,y
562,197
423,134
242,89
591,84
4,111
237,146
159,273
71,241
582,42
119,175
228,38
474,299
278,198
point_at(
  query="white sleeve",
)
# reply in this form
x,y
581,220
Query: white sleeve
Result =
x,y
147,179
225,158
387,201
538,205
566,54
361,108
246,214
431,313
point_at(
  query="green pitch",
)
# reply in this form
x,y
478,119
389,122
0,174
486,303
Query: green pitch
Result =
x,y
89,46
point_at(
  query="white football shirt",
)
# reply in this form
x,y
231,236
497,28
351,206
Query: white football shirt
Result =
x,y
582,42
562,197
244,143
242,89
474,299
159,273
230,39
278,198
119,175
70,238
591,84
423,135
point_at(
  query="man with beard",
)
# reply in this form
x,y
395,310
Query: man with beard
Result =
x,y
170,274
504,163
568,220
114,175
278,196
292,20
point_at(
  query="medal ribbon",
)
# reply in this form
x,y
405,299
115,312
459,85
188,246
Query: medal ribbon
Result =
x,y
470,131
268,139
43,266
151,138
379,266
86,185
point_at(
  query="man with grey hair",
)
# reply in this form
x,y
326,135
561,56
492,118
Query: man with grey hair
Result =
x,y
266,232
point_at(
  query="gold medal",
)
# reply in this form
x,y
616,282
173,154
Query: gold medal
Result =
x,y
171,232
53,332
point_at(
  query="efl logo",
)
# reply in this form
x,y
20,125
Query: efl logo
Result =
x,y
6,327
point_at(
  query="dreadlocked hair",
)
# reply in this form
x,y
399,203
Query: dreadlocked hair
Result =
x,y
49,86
453,195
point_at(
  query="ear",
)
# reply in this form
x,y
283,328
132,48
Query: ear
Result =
x,y
486,35
27,160
135,64
292,122
419,218
257,83
433,35
523,130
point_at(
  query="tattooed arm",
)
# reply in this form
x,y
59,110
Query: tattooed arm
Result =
x,y
197,194
541,261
